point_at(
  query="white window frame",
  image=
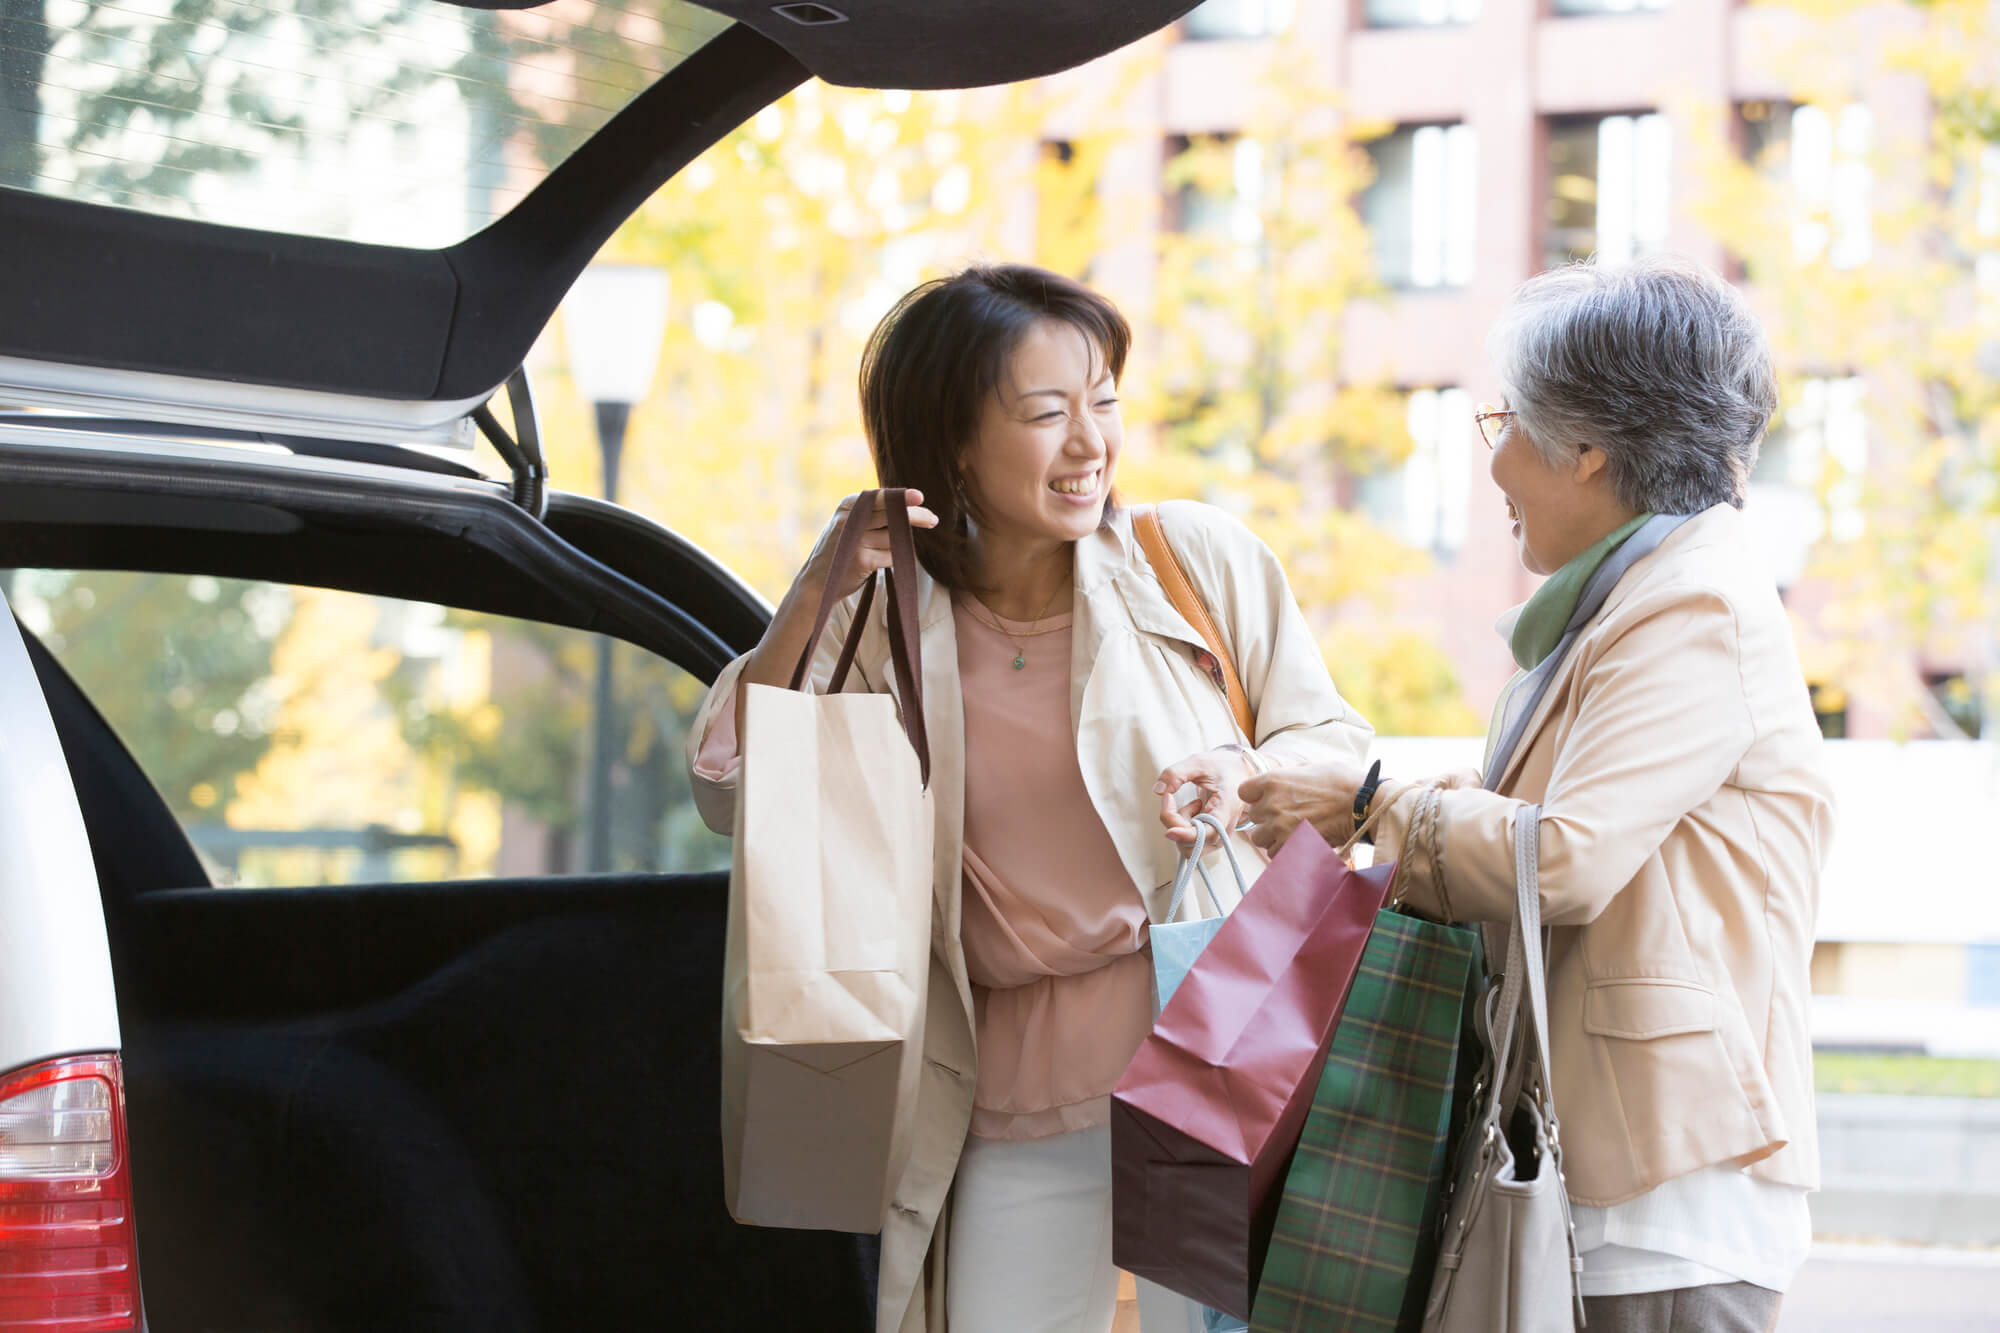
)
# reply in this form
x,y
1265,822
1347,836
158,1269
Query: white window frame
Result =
x,y
1634,185
1235,20
1423,13
1443,194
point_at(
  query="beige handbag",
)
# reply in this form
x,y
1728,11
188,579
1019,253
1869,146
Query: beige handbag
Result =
x,y
1507,1262
826,965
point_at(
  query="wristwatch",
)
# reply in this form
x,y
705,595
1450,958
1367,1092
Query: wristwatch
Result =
x,y
1364,794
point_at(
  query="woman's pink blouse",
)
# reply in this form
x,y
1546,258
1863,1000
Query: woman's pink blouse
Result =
x,y
1054,928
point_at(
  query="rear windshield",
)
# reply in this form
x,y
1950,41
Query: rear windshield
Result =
x,y
402,122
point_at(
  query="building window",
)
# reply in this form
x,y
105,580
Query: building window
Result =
x,y
1575,7
1764,130
1822,156
1424,501
1422,208
1420,13
1217,20
1823,447
1609,185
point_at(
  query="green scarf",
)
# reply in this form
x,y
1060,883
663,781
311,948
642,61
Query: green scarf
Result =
x,y
1545,617
1539,627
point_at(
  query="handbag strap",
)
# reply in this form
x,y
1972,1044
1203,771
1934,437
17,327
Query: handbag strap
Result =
x,y
1180,590
1520,1051
1192,866
905,640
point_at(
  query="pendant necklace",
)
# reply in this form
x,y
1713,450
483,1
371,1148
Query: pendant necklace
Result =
x,y
1020,652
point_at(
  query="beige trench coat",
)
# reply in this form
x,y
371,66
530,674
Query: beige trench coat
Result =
x,y
1686,815
1139,704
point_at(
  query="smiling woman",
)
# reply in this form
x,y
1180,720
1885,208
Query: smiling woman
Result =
x,y
1661,739
1067,703
1023,368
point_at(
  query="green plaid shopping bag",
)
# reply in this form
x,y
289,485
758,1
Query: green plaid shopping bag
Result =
x,y
1356,1230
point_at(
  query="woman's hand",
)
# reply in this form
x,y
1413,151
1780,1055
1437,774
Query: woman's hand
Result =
x,y
1216,775
784,640
1321,794
874,553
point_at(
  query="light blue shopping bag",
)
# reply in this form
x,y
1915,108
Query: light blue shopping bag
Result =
x,y
1176,944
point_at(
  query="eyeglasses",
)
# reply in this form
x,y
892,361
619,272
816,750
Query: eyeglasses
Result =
x,y
1492,422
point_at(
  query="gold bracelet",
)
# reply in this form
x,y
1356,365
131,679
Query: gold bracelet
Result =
x,y
1436,838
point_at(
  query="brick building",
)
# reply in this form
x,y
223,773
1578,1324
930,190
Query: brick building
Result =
x,y
1525,133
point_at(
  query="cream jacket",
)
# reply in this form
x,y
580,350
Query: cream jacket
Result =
x,y
1139,704
1686,815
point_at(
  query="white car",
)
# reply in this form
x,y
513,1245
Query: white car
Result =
x,y
343,983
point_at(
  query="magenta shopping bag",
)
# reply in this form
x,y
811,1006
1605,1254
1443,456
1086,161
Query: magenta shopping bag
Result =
x,y
1207,1116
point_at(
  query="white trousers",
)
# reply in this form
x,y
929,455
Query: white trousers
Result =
x,y
1030,1248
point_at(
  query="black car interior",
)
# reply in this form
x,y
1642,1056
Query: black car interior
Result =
x,y
457,1106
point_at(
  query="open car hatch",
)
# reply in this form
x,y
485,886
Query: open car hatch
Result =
x,y
355,218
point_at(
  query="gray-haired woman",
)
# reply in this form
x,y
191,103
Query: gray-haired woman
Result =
x,y
1685,812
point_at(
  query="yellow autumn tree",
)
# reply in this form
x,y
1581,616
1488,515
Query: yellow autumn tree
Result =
x,y
338,759
1261,260
786,241
783,245
1910,309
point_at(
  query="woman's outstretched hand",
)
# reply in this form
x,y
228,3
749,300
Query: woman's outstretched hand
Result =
x,y
1216,775
1321,794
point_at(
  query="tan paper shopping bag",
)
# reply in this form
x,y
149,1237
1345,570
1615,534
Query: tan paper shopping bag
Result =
x,y
827,958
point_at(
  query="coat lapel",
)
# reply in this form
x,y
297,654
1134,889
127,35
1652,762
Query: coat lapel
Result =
x,y
1111,571
1557,691
944,719
1098,560
1559,688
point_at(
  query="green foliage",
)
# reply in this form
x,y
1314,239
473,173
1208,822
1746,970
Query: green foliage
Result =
x,y
203,97
1905,1075
528,742
179,667
1918,580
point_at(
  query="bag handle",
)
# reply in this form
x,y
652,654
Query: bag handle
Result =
x,y
1518,1049
905,641
1192,866
1180,590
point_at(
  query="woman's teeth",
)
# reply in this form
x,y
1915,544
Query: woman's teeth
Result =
x,y
1075,485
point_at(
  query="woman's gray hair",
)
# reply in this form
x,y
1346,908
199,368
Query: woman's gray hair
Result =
x,y
1659,363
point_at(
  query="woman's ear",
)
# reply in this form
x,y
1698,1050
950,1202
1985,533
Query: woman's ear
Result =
x,y
1590,463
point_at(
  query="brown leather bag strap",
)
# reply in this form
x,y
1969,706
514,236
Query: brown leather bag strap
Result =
x,y
905,647
846,544
1181,592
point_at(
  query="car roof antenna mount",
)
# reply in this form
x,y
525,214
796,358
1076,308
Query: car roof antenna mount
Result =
x,y
524,456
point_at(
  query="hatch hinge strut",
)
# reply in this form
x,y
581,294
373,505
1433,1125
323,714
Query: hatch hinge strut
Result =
x,y
524,456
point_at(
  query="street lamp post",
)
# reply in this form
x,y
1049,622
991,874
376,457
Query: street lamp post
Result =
x,y
614,320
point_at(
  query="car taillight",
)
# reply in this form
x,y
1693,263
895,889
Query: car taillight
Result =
x,y
68,1260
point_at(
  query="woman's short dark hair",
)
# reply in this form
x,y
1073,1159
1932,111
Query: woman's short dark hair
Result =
x,y
929,367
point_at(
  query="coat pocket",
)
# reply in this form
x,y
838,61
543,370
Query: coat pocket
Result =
x,y
1640,1009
